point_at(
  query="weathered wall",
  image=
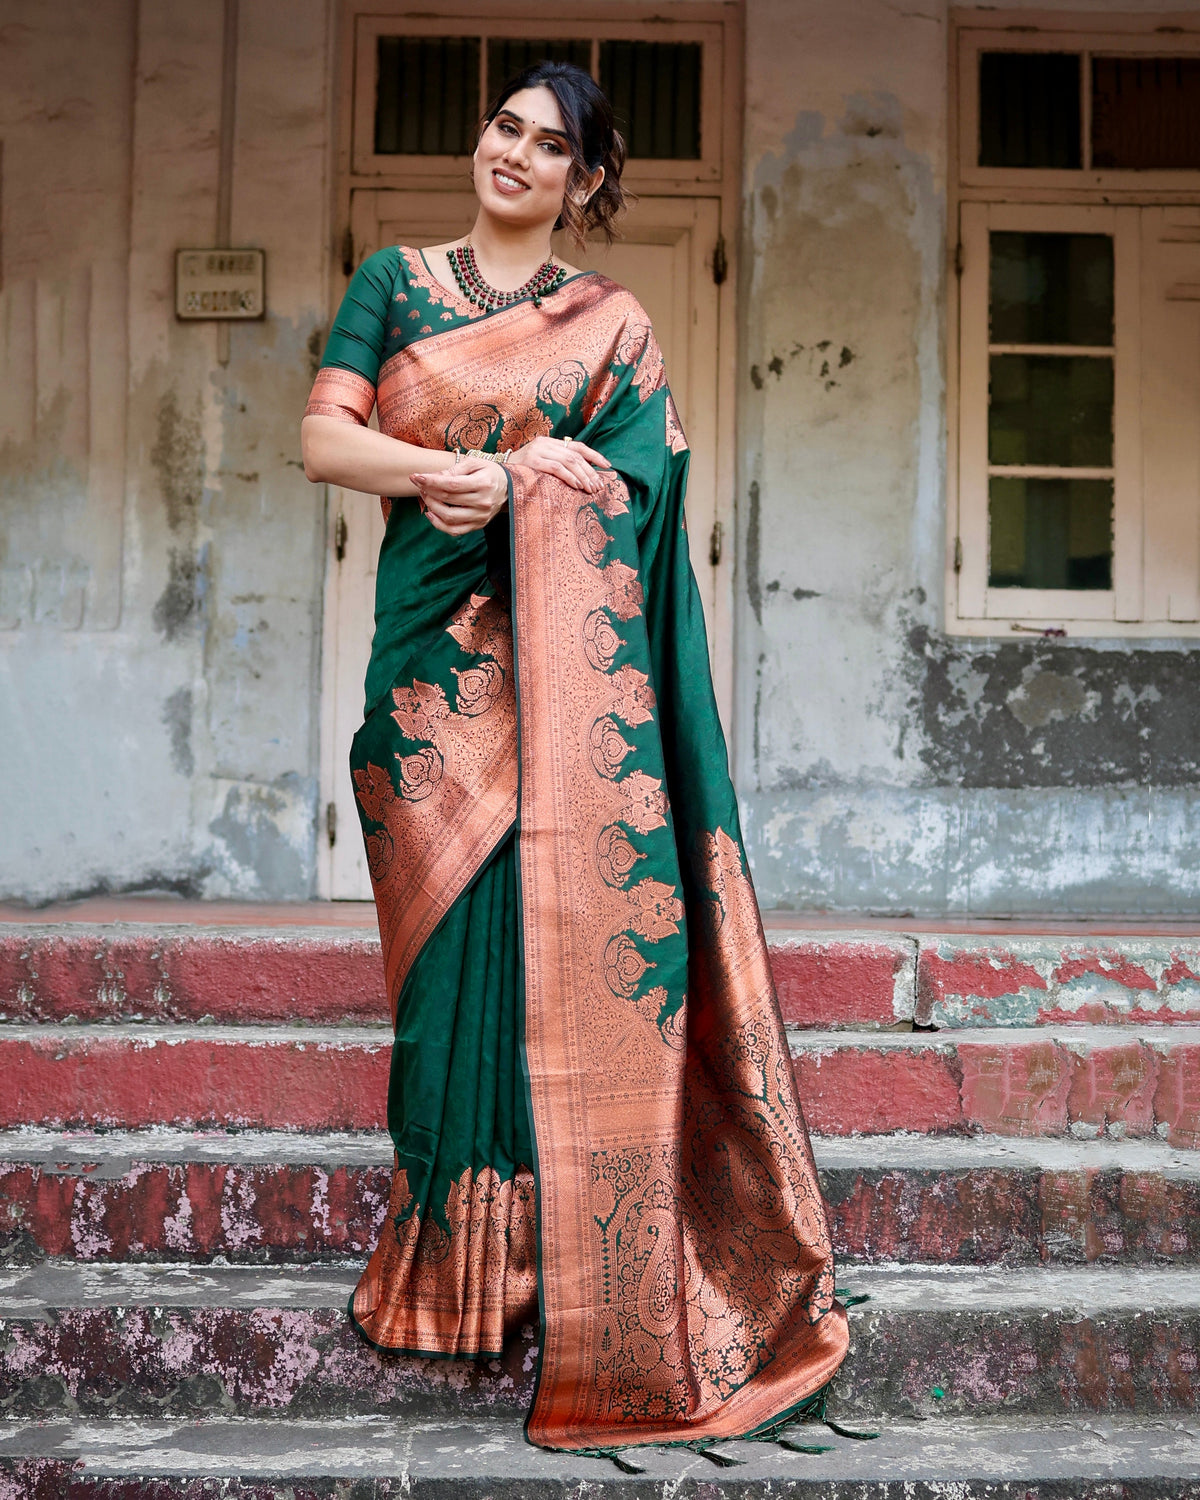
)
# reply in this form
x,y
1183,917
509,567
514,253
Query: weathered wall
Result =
x,y
160,550
884,766
161,559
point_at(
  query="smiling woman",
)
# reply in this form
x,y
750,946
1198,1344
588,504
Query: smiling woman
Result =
x,y
592,1103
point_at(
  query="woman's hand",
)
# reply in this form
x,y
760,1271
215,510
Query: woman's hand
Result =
x,y
573,462
464,498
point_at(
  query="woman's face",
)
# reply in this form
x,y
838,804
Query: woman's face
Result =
x,y
522,160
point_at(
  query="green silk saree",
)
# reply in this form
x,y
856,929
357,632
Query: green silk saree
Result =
x,y
592,1103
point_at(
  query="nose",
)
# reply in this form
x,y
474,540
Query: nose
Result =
x,y
516,153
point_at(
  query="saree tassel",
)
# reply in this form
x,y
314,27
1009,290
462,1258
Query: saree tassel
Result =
x,y
794,1447
614,1456
861,1437
706,1450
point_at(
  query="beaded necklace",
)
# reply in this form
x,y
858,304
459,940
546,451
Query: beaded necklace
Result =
x,y
547,278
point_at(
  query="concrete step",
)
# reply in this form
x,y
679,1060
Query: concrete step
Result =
x,y
180,1340
1081,1081
242,974
272,1196
996,1459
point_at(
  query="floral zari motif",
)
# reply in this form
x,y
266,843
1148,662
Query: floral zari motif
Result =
x,y
435,808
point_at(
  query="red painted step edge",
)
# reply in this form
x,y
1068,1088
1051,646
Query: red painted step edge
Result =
x,y
1005,1083
189,974
134,1079
247,976
1031,981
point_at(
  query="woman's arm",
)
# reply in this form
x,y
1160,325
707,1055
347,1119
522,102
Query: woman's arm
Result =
x,y
359,458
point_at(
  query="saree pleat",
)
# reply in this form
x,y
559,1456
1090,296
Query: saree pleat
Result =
x,y
455,1268
592,1101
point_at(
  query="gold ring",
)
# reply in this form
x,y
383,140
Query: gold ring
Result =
x,y
568,440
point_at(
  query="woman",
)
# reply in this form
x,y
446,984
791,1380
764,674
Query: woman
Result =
x,y
591,1100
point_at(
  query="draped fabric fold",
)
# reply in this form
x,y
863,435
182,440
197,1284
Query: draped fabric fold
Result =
x,y
575,962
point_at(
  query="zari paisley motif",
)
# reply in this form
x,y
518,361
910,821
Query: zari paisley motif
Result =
x,y
684,1284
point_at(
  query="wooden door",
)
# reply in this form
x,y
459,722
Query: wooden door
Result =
x,y
1170,338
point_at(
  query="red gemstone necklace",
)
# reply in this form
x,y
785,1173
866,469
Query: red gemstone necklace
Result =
x,y
546,279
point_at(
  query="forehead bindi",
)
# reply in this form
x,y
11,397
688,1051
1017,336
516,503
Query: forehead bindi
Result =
x,y
537,109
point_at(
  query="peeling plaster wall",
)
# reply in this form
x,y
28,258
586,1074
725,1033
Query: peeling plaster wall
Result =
x,y
161,557
884,766
170,741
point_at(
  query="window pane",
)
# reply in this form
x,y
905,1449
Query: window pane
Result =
x,y
1146,112
1051,289
655,93
1050,533
1051,409
506,58
1029,114
428,98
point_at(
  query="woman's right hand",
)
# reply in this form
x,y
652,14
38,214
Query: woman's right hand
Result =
x,y
573,462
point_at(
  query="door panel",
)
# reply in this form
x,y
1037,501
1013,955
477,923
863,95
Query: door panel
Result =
x,y
1171,410
663,258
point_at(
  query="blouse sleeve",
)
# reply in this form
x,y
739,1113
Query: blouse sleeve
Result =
x,y
345,383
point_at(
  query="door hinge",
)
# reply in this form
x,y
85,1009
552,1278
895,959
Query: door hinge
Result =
x,y
714,543
340,535
331,822
958,554
958,259
348,252
720,261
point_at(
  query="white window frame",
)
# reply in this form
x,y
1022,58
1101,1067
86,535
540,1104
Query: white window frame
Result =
x,y
1084,200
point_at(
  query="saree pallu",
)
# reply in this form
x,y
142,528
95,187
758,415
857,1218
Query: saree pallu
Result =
x,y
592,1101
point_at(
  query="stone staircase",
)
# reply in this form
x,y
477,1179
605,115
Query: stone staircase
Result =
x,y
192,1170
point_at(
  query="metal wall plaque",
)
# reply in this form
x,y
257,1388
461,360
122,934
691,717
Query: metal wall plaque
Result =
x,y
219,284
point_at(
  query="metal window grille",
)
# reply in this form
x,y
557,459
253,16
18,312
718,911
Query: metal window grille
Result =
x,y
655,93
507,56
1146,113
427,103
1030,110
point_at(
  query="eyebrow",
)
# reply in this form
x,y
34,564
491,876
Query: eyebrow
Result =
x,y
545,129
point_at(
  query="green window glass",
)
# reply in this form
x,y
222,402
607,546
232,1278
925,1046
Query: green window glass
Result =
x,y
1050,533
1050,410
1051,288
427,102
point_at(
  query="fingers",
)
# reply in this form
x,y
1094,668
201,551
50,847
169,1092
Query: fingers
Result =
x,y
453,481
454,518
590,454
477,493
572,477
579,476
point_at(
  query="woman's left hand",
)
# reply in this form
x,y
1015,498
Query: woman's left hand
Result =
x,y
464,498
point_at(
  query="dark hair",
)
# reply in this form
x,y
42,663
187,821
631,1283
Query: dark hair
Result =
x,y
593,138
